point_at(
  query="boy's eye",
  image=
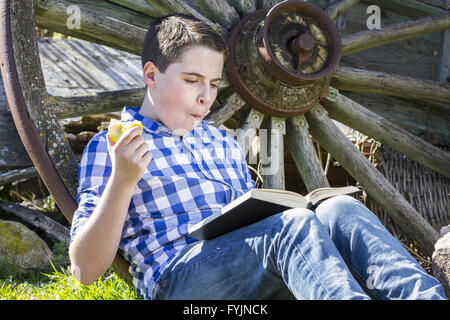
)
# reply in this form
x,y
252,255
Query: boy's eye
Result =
x,y
194,81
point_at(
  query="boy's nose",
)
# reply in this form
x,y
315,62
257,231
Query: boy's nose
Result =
x,y
204,97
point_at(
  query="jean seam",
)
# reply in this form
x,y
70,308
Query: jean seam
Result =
x,y
310,268
356,274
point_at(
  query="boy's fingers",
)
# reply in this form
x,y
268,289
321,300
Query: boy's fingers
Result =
x,y
147,157
142,149
128,135
109,141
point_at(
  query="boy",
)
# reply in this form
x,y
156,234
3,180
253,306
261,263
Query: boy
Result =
x,y
141,193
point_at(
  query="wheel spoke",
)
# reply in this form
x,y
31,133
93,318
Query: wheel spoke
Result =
x,y
338,8
225,111
261,4
247,130
304,154
358,80
220,11
244,7
373,125
361,169
271,152
180,6
372,38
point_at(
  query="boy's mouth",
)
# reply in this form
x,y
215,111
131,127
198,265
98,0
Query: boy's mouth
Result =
x,y
196,116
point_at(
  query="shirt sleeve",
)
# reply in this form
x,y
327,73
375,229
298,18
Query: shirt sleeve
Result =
x,y
93,174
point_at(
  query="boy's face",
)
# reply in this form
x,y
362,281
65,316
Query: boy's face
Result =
x,y
182,96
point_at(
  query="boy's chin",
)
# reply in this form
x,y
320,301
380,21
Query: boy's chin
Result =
x,y
181,131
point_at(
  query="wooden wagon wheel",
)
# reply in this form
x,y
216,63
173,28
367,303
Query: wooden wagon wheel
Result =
x,y
36,114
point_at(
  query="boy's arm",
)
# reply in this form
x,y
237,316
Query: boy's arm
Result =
x,y
95,245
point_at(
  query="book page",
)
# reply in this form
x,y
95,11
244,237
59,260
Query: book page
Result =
x,y
322,193
282,197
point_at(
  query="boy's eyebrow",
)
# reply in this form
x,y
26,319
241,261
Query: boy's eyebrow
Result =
x,y
200,75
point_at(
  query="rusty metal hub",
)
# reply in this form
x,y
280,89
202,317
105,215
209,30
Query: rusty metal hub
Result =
x,y
281,59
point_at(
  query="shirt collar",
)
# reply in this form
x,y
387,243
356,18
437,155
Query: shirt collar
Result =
x,y
130,114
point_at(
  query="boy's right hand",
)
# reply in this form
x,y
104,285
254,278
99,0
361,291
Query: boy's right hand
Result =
x,y
129,156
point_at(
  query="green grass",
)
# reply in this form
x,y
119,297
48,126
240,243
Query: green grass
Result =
x,y
55,282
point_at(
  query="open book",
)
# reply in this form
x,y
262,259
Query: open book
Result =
x,y
258,204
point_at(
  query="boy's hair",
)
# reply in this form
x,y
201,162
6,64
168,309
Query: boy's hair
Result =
x,y
168,37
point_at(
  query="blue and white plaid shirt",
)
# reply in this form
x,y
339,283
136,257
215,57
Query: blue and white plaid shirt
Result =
x,y
188,179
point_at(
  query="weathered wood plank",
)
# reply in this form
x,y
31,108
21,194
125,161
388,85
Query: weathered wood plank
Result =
x,y
358,80
77,67
304,154
359,167
416,53
371,38
410,8
371,124
340,7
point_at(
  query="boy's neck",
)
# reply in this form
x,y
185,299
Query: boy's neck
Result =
x,y
146,109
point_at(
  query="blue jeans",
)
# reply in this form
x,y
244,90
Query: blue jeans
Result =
x,y
341,251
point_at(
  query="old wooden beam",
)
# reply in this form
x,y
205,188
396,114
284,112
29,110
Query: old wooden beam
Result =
x,y
141,6
54,230
410,8
358,80
304,154
340,7
271,152
95,103
408,29
17,175
354,115
95,25
427,120
361,169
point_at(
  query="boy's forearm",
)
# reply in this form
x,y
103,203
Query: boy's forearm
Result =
x,y
95,246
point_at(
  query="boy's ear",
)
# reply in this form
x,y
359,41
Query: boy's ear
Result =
x,y
148,73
